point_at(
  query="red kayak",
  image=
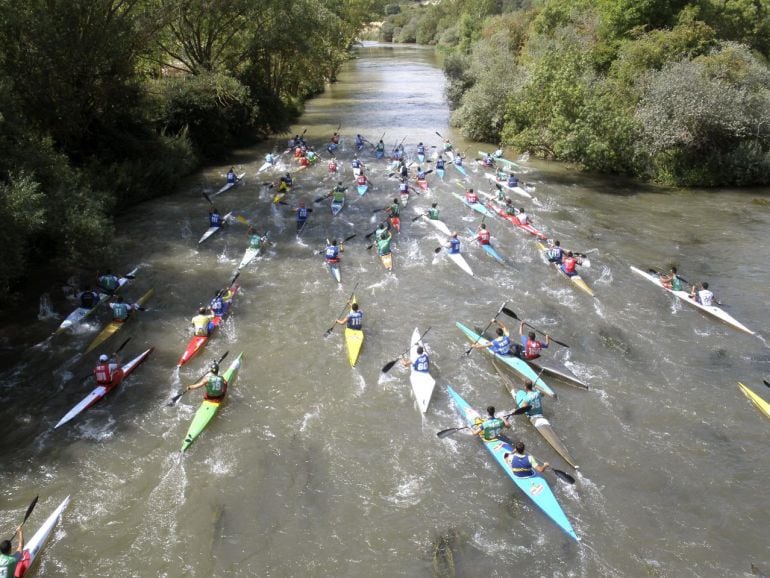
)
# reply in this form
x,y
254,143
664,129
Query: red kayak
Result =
x,y
515,221
198,341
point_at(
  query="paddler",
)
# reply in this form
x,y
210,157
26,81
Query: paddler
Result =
x,y
530,398
459,159
284,183
270,159
360,142
302,214
361,180
356,164
530,347
447,145
483,236
332,166
500,344
216,385
393,214
332,253
453,244
555,253
220,304
215,219
523,217
403,186
203,322
420,174
108,371
403,170
338,194
88,298
9,561
672,281
513,180
421,149
383,243
439,164
121,310
107,283
523,464
702,295
490,428
354,319
256,241
509,208
311,155
231,176
433,212
421,363
471,197
488,161
569,264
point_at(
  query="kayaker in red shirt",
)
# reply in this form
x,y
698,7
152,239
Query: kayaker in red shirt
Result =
x,y
361,179
569,264
108,372
530,347
483,236
471,197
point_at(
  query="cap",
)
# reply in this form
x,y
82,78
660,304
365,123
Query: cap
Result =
x,y
214,366
103,357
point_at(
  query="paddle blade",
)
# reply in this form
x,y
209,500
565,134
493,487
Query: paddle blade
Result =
x,y
510,313
176,398
30,508
446,432
767,383
205,196
437,250
520,410
122,345
388,366
349,237
563,476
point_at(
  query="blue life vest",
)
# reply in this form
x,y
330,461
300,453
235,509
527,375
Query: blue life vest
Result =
x,y
287,180
422,363
454,245
521,466
440,164
555,254
421,175
332,252
420,150
355,319
356,163
359,141
403,187
215,220
302,214
513,181
502,345
231,177
218,306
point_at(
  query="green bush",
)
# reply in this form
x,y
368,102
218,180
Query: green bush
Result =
x,y
391,9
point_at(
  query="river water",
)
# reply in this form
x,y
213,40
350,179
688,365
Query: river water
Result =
x,y
313,468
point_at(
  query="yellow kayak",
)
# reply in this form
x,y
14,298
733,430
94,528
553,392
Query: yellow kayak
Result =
x,y
354,340
761,404
113,326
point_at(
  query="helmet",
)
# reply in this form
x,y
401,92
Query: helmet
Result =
x,y
104,357
214,367
201,310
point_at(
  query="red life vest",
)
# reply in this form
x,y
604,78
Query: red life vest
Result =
x,y
105,376
361,179
569,264
484,237
471,198
303,162
532,349
332,167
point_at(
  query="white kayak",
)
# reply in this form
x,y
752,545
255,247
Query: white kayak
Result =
x,y
228,186
38,540
517,189
250,254
211,230
460,261
422,383
440,225
685,296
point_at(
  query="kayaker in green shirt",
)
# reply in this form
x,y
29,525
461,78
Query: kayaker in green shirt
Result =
x,y
383,243
338,194
108,282
256,241
530,398
491,427
216,385
433,212
121,310
672,281
9,561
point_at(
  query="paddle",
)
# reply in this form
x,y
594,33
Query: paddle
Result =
x,y
468,351
27,515
345,240
114,353
205,196
767,383
389,365
420,216
329,331
185,390
511,313
446,432
326,196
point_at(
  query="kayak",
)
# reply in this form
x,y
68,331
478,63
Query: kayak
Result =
x,y
535,487
101,390
543,427
576,280
440,173
685,296
228,186
378,154
354,340
266,165
518,190
337,206
558,370
488,248
334,271
81,313
460,261
514,220
440,225
387,261
516,363
250,254
197,342
761,404
114,326
422,382
404,199
208,409
423,184
478,207
461,169
38,540
362,189
508,164
421,158
211,230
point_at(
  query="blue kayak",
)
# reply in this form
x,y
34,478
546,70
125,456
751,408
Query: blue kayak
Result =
x,y
461,169
478,207
440,173
535,487
515,363
379,154
488,248
362,189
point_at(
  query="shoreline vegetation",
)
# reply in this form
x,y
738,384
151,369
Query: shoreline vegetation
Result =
x,y
672,93
108,103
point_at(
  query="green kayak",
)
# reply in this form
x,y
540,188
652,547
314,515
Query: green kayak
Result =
x,y
208,409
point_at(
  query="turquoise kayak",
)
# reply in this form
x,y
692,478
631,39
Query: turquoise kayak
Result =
x,y
478,207
535,487
517,364
488,248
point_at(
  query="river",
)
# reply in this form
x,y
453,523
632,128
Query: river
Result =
x,y
313,468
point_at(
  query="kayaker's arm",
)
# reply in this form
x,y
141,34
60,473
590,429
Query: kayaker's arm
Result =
x,y
200,383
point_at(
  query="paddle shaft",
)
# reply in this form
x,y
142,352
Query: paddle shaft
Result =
x,y
186,389
481,335
445,432
329,331
387,367
512,313
27,515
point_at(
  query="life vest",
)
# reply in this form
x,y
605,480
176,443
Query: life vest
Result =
x,y
332,166
513,181
421,176
454,245
218,306
422,363
523,218
501,345
302,213
420,150
521,466
255,241
88,299
355,163
231,177
439,164
705,297
491,428
304,162
108,282
201,324
355,319
459,161
361,179
531,399
471,198
120,311
568,266
555,254
484,237
532,349
383,245
287,180
403,187
381,146
433,214
487,161
394,209
216,387
108,373
332,254
215,220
